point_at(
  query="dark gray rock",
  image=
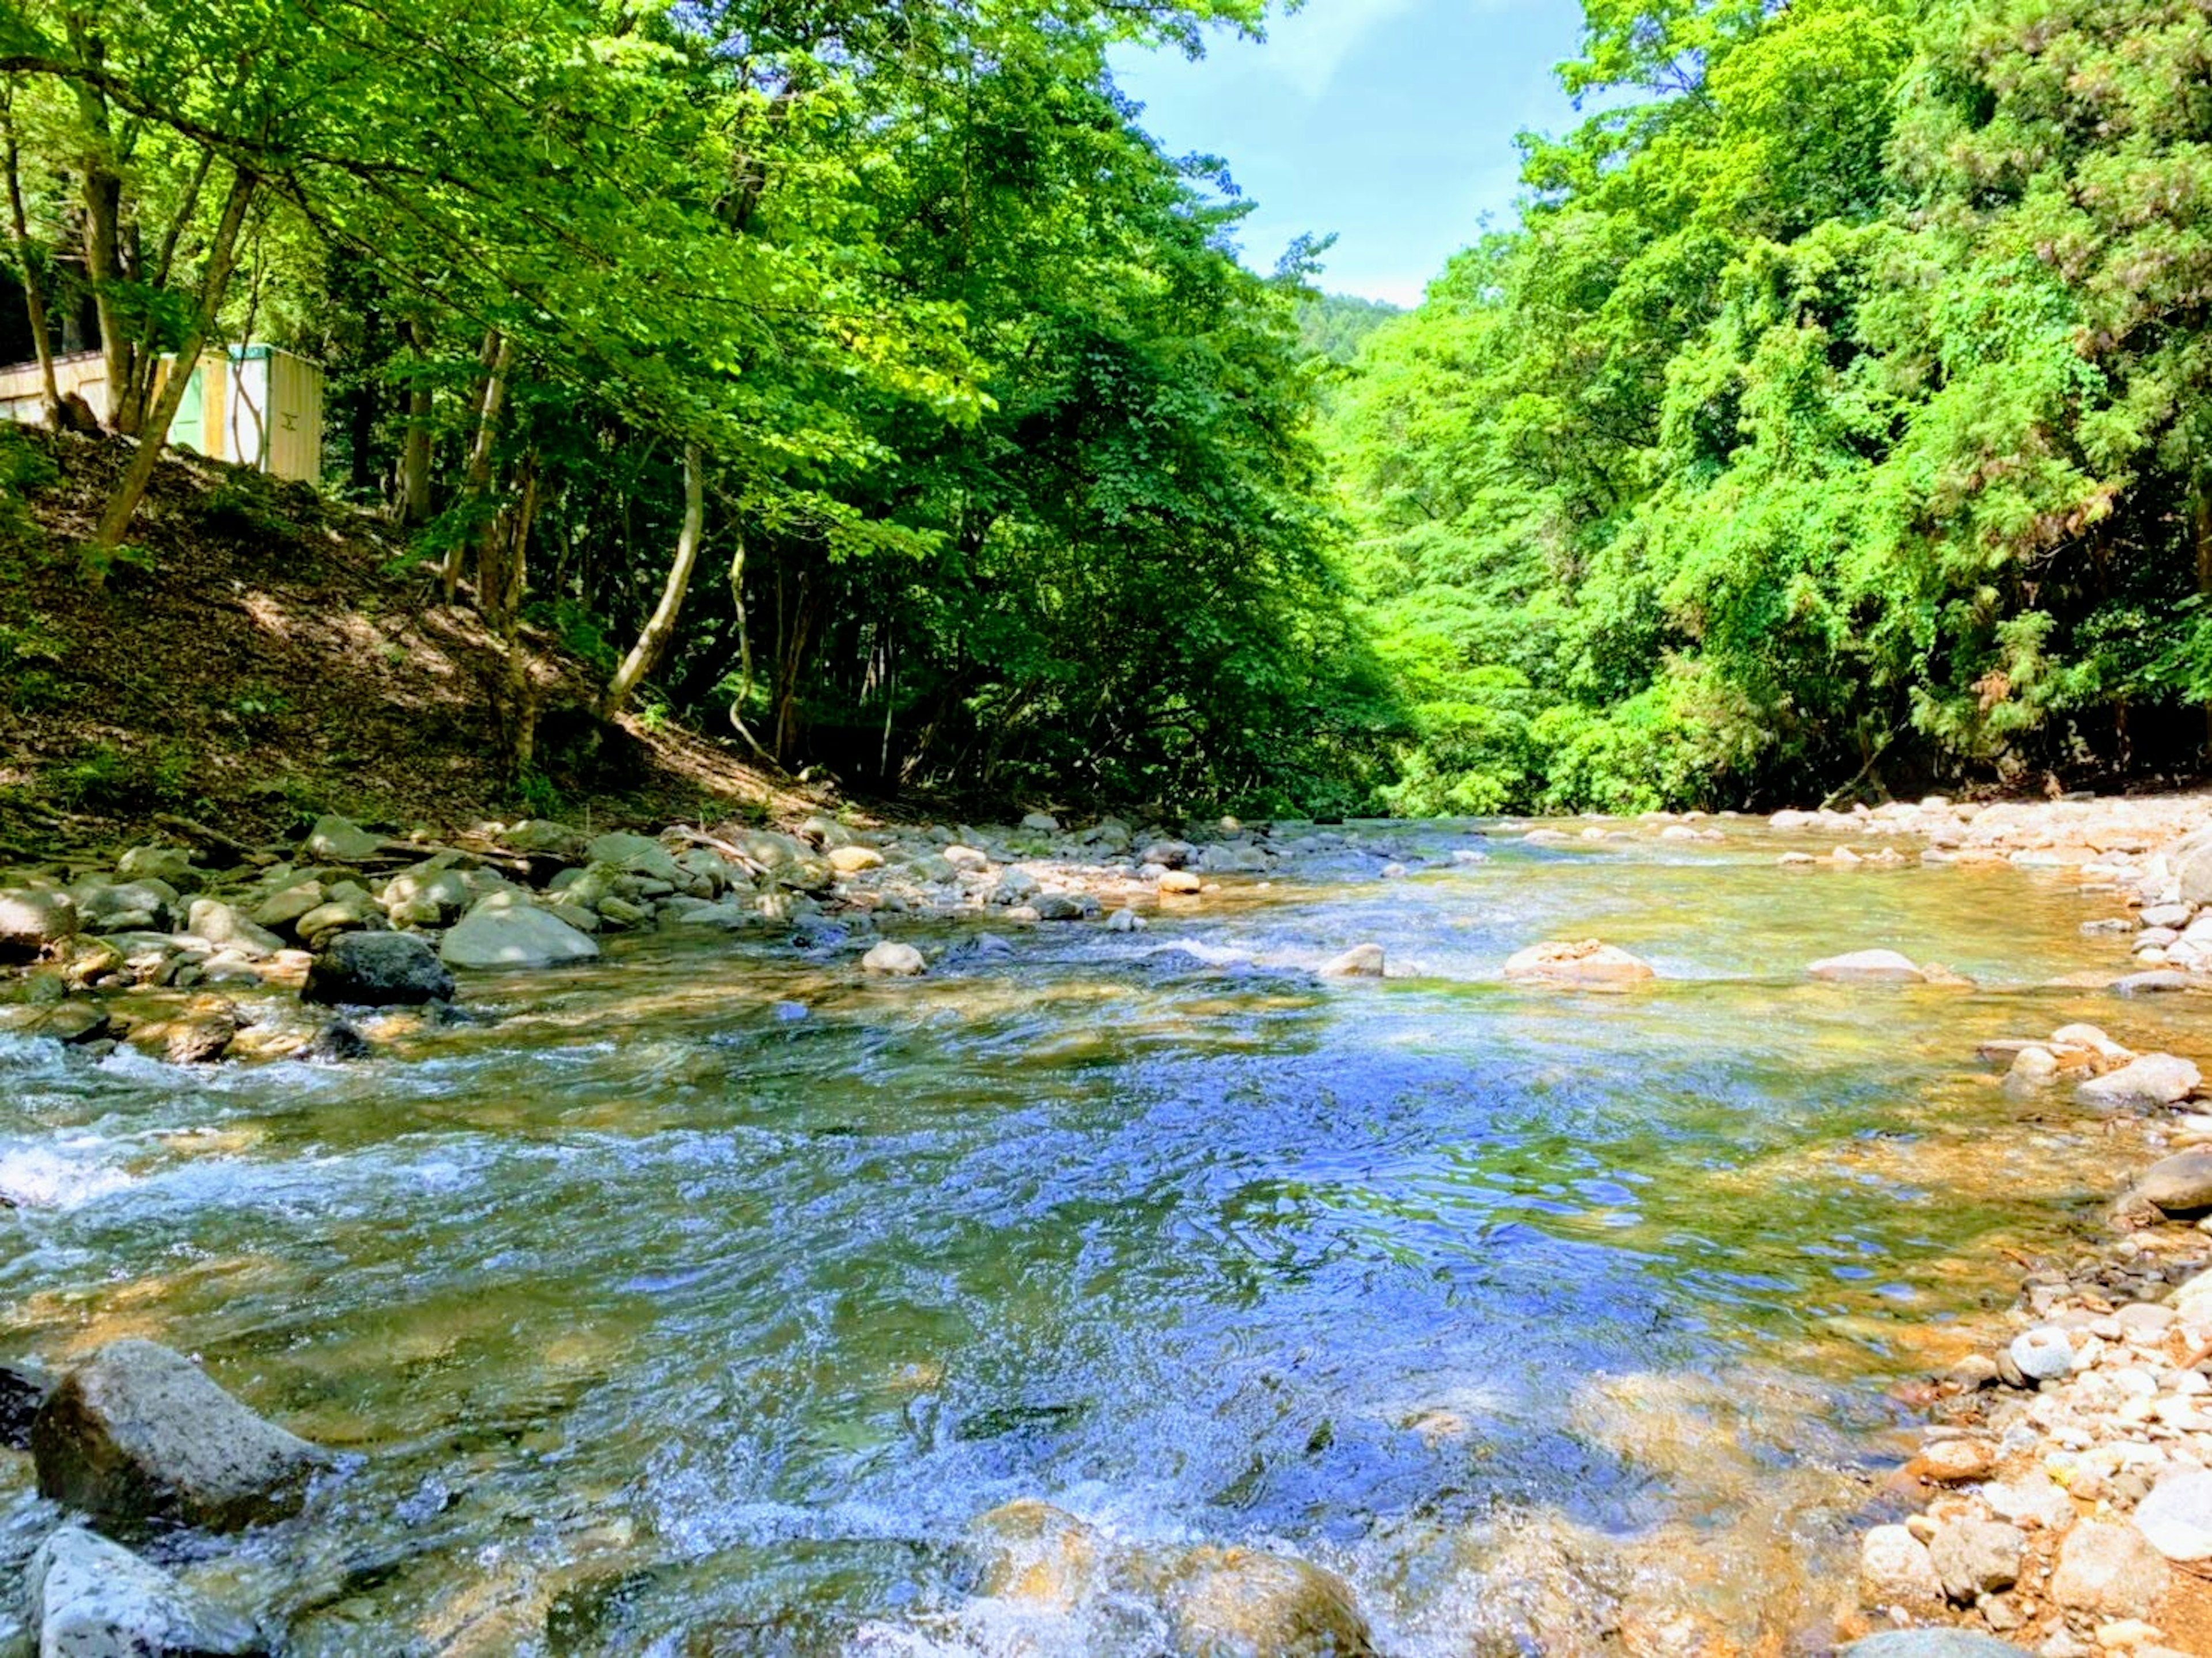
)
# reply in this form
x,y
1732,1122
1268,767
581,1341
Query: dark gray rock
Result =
x,y
377,969
137,1437
23,1387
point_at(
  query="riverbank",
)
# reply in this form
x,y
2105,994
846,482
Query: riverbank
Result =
x,y
983,910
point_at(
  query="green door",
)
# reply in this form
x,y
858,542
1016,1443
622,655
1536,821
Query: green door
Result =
x,y
189,429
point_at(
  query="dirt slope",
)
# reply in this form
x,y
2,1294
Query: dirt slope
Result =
x,y
270,656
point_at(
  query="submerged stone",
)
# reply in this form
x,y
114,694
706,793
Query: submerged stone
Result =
x,y
1867,966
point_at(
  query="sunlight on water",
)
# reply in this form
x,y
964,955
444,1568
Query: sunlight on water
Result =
x,y
669,1323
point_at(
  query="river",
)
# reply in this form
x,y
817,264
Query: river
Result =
x,y
662,1318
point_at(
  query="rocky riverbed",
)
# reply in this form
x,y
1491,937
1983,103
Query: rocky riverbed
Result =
x,y
2057,1499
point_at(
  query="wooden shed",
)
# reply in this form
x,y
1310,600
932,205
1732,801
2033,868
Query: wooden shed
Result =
x,y
250,404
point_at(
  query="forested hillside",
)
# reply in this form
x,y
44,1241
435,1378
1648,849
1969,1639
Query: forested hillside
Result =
x,y
867,385
861,381
1838,411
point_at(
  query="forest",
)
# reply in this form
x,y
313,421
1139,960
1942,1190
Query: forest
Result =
x,y
865,385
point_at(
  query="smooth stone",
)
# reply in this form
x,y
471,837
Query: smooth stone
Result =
x,y
2177,1516
33,918
1975,1557
1360,961
2153,1079
1064,907
2159,981
636,854
852,860
1867,967
1895,1569
2180,1184
138,1435
1043,822
222,923
1584,961
892,959
2043,1354
171,864
89,1597
2109,1569
513,936
336,840
1181,881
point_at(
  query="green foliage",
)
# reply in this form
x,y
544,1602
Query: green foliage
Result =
x,y
114,779
1837,407
97,566
1331,325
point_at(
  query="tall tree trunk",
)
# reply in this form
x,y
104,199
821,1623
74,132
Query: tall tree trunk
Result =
x,y
123,503
499,357
661,627
415,458
101,187
2200,519
502,578
34,301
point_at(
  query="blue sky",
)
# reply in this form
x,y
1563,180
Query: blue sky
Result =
x,y
1388,122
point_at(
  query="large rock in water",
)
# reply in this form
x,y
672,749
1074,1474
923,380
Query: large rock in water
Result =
x,y
377,969
1360,961
89,1597
2153,1079
1240,1603
1867,966
2180,1184
1587,962
138,1435
495,935
220,924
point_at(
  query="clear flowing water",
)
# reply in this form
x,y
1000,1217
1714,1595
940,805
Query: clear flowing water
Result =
x,y
662,1321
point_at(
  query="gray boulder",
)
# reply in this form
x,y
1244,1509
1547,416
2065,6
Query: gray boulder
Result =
x,y
1867,966
497,934
1360,961
148,906
543,834
137,1437
90,1598
376,969
637,854
2180,1184
1064,907
32,919
336,840
1976,1557
171,865
2153,1079
219,924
